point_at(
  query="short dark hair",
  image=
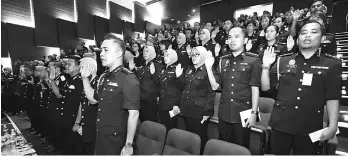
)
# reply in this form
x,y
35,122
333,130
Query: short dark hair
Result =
x,y
120,42
244,31
322,28
251,22
166,43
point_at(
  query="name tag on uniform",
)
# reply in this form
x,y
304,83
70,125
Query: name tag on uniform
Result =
x,y
319,67
71,87
113,84
244,64
170,72
307,79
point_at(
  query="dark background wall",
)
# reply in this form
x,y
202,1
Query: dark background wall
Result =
x,y
225,8
54,26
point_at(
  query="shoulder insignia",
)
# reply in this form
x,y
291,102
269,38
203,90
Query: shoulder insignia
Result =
x,y
251,54
126,70
287,54
330,56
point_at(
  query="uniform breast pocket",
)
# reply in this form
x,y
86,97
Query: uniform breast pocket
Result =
x,y
318,74
198,80
243,72
112,90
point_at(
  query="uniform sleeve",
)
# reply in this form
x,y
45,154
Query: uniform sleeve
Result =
x,y
273,75
218,75
255,73
209,109
332,82
131,93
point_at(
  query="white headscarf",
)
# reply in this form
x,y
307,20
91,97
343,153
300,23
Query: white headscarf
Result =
x,y
203,55
152,53
173,56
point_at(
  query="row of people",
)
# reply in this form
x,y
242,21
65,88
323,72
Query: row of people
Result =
x,y
108,110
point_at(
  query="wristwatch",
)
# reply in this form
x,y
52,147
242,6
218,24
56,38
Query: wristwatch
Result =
x,y
265,67
254,112
129,144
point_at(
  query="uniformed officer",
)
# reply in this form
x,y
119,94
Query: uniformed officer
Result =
x,y
182,51
305,82
170,91
149,85
118,97
54,102
272,32
70,95
197,101
222,37
253,36
239,80
189,40
85,123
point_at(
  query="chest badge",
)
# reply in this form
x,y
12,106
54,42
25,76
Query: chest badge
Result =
x,y
113,84
227,63
71,87
189,72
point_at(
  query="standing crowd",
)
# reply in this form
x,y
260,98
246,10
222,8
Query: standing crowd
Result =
x,y
173,78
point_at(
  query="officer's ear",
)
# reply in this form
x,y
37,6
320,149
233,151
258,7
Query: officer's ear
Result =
x,y
297,41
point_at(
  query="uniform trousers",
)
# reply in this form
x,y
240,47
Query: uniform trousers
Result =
x,y
88,148
195,126
282,143
148,110
168,122
109,144
234,133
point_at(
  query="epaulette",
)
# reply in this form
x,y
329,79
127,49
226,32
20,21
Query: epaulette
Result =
x,y
250,54
330,56
287,54
225,56
126,70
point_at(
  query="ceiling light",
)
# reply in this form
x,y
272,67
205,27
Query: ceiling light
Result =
x,y
172,19
193,10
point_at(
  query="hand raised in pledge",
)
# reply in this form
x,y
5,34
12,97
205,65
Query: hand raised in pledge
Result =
x,y
178,70
269,56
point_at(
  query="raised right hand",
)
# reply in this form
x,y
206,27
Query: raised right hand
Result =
x,y
209,61
268,56
178,70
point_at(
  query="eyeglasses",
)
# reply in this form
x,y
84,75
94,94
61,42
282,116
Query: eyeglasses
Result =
x,y
195,55
317,6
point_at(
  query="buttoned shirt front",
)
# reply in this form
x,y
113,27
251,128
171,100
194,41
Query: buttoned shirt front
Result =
x,y
148,82
299,107
170,91
237,74
198,97
70,100
117,92
88,116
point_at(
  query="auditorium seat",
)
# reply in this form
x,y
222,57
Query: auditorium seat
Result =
x,y
259,134
151,138
180,142
219,147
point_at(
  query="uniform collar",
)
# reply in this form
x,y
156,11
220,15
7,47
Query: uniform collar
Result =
x,y
171,66
114,72
202,67
240,56
76,76
149,63
315,56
